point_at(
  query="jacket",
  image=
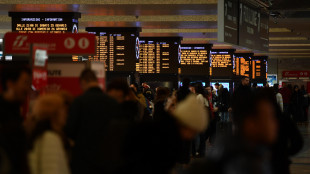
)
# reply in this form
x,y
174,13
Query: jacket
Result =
x,y
13,137
88,120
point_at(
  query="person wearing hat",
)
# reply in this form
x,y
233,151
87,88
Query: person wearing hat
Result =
x,y
156,147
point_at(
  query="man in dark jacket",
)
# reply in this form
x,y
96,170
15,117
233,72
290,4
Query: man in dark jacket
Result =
x,y
184,90
88,121
16,83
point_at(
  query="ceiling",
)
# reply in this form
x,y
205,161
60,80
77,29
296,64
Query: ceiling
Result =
x,y
194,20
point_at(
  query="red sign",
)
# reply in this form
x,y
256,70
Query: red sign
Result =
x,y
39,78
296,74
39,68
58,44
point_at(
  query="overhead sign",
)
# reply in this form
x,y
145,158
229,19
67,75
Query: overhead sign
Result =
x,y
159,55
296,74
221,64
195,59
253,27
228,21
117,47
45,22
57,44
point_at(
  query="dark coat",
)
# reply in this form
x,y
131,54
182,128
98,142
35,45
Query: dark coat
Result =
x,y
223,100
13,137
88,121
297,106
234,156
153,147
182,93
288,144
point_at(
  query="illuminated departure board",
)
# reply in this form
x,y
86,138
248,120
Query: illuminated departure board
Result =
x,y
242,64
221,63
159,55
118,48
259,67
45,22
195,59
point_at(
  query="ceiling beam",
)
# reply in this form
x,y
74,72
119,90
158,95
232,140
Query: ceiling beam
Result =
x,y
157,18
176,30
111,2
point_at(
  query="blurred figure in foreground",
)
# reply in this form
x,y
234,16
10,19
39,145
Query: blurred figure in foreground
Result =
x,y
89,117
47,140
130,106
156,147
247,151
16,85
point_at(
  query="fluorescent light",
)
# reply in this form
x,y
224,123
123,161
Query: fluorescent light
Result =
x,y
199,39
279,30
280,50
289,45
157,18
175,30
289,53
288,38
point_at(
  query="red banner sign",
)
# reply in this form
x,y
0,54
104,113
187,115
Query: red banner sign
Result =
x,y
58,44
39,78
296,74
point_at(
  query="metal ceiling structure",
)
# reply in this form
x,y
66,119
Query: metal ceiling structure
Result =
x,y
194,20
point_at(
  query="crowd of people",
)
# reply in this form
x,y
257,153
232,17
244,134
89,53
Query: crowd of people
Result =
x,y
134,129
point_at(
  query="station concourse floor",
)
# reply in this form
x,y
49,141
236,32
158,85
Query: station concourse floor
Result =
x,y
301,162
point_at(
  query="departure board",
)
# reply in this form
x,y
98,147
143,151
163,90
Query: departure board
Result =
x,y
45,22
195,59
242,64
159,55
259,67
118,48
221,63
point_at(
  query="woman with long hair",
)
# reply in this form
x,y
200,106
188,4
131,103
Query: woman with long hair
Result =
x,y
202,98
47,141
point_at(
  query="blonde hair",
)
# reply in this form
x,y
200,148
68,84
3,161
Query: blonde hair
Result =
x,y
47,106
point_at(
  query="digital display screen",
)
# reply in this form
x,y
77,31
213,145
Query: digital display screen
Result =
x,y
243,62
225,84
195,59
45,22
260,84
118,48
259,68
221,63
159,55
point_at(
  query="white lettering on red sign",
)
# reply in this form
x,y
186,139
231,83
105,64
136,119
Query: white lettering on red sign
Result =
x,y
69,43
83,43
39,75
19,41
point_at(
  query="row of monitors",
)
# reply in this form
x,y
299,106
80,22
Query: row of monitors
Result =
x,y
225,84
123,50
